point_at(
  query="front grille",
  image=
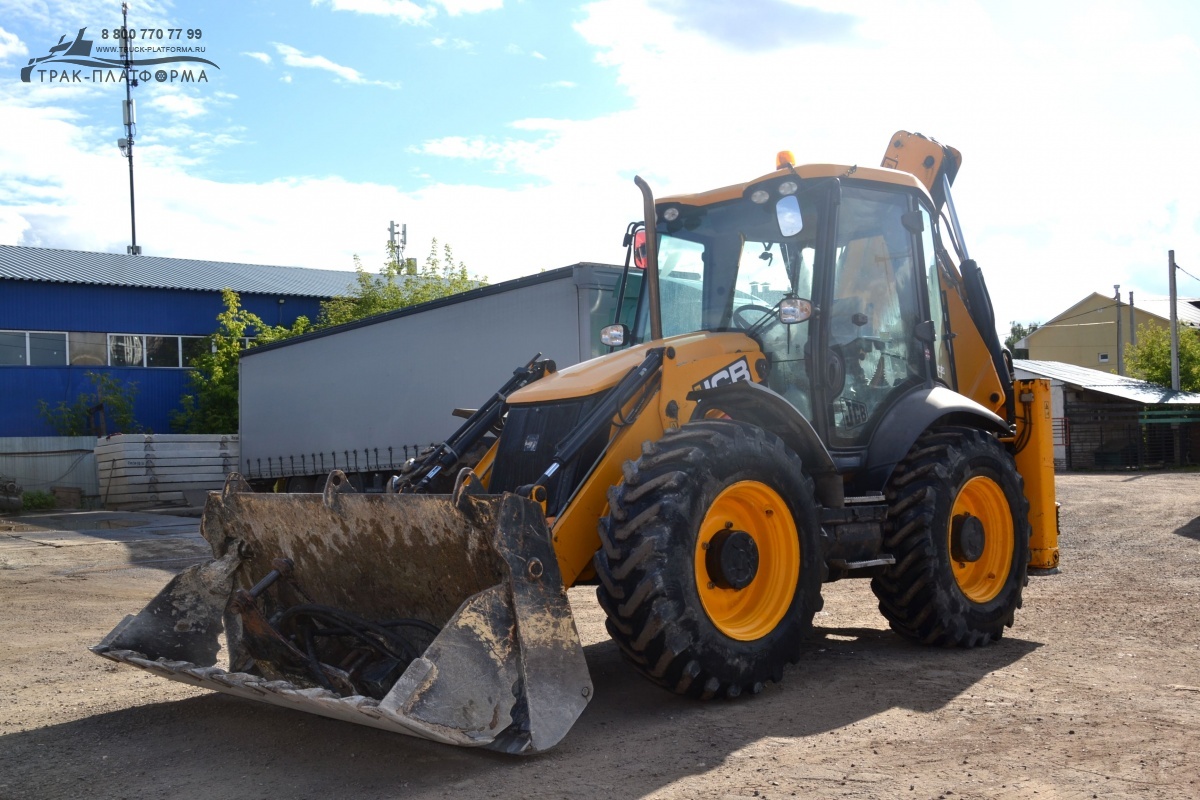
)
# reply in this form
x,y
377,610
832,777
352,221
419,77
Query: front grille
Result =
x,y
527,444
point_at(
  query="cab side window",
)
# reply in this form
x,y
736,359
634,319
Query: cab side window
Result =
x,y
874,311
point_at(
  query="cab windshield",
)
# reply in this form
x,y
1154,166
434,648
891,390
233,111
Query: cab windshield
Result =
x,y
727,266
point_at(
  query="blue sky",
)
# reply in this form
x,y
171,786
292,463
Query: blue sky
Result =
x,y
512,128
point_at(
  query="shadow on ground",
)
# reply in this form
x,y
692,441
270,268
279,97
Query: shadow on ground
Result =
x,y
1191,530
217,746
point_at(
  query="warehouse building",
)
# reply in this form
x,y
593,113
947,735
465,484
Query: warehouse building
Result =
x,y
142,319
1094,332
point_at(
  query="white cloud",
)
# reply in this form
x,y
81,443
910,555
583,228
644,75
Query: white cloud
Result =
x,y
517,50
1078,168
263,57
11,46
560,85
286,79
69,17
411,13
453,44
456,8
296,58
1041,112
503,155
313,222
758,25
402,10
179,105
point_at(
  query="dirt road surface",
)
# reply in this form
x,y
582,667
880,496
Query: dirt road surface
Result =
x,y
1094,693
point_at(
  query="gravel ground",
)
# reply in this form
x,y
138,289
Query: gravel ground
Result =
x,y
1093,693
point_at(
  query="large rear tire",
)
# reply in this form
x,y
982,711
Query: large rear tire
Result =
x,y
710,564
959,529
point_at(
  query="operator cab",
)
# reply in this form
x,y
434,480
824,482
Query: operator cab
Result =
x,y
826,272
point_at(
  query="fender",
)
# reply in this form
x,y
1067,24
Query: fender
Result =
x,y
755,403
911,416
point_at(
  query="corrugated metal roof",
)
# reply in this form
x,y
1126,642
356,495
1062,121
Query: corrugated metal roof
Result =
x,y
116,269
1107,383
1187,309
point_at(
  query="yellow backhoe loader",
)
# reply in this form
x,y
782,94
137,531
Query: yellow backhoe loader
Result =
x,y
808,387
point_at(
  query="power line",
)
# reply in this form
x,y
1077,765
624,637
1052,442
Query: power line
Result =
x,y
1080,314
1185,272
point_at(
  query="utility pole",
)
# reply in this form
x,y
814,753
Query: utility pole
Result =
x,y
130,120
1120,360
1171,267
1132,323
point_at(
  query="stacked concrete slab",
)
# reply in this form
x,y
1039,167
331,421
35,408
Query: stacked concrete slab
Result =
x,y
158,469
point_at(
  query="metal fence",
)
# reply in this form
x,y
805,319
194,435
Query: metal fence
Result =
x,y
1128,436
368,459
39,463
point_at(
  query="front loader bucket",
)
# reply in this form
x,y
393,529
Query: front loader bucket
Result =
x,y
505,669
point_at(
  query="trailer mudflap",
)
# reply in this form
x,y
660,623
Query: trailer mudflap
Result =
x,y
505,672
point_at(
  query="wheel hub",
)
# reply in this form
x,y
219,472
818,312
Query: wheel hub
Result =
x,y
732,559
967,539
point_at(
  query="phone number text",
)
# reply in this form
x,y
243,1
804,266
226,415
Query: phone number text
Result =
x,y
151,33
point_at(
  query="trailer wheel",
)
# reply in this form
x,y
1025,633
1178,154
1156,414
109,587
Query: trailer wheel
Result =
x,y
710,566
959,529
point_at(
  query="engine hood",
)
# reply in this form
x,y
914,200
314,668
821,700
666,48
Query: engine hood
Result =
x,y
603,372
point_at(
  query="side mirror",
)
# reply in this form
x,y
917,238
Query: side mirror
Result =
x,y
639,249
794,309
924,332
787,214
614,335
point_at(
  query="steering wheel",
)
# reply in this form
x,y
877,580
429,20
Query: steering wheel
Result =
x,y
741,323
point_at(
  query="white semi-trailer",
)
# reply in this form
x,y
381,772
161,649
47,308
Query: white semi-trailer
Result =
x,y
366,396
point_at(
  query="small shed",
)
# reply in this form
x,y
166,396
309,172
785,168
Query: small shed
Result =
x,y
1108,421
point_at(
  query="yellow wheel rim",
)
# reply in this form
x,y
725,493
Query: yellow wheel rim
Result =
x,y
983,579
755,610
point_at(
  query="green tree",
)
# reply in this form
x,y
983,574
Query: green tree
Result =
x,y
1150,359
399,285
1018,331
212,404
110,396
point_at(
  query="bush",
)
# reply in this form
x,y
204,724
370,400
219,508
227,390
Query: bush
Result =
x,y
115,397
37,501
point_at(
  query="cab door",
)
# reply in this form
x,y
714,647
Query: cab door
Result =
x,y
872,307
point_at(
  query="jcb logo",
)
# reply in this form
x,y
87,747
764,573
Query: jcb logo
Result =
x,y
737,371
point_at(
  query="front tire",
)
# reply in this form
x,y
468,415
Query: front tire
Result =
x,y
959,530
710,564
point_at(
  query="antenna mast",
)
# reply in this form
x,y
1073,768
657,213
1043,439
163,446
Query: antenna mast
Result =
x,y
130,119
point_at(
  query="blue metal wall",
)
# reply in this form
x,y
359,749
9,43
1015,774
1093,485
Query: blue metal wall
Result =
x,y
35,306
30,305
158,393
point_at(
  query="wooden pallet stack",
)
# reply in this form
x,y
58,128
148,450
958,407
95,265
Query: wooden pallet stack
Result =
x,y
156,469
